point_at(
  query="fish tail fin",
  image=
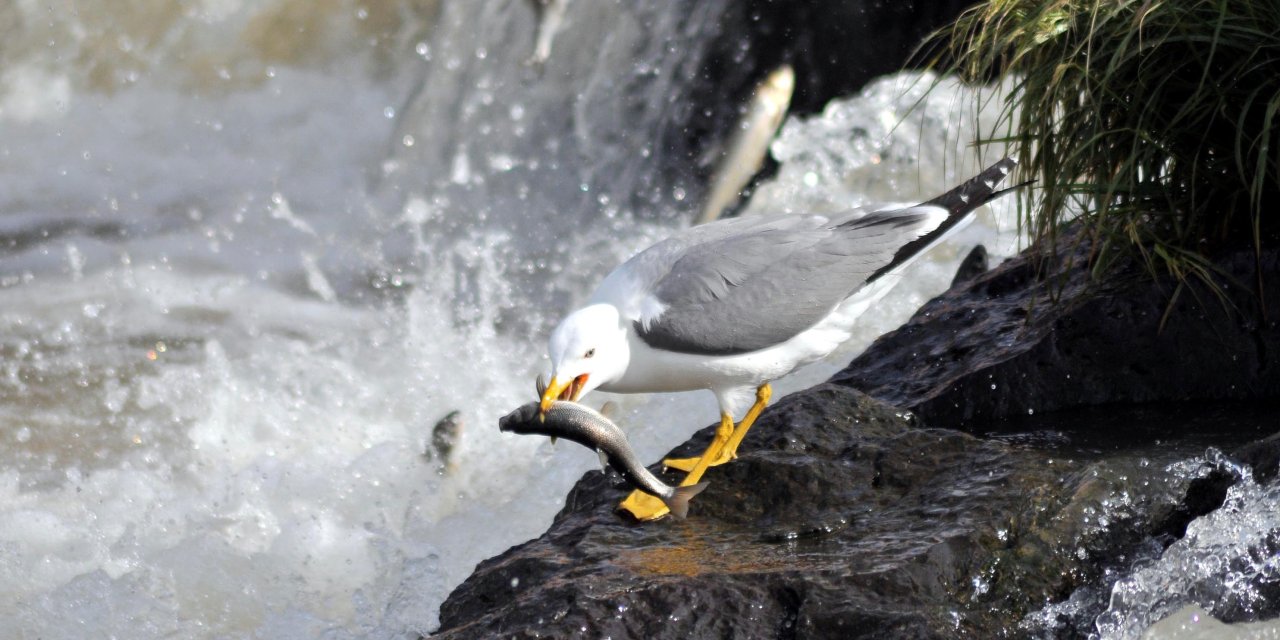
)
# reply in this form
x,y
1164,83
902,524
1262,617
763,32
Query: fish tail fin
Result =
x,y
678,503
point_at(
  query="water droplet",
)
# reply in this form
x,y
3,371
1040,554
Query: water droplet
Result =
x,y
980,586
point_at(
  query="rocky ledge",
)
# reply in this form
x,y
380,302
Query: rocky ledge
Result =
x,y
1026,438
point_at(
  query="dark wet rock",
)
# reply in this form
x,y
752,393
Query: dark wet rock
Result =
x,y
819,529
843,518
1036,336
1263,457
973,265
1204,495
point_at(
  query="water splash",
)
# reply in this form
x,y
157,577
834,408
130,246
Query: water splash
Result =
x,y
221,354
1227,563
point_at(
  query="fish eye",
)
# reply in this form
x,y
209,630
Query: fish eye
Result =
x,y
590,352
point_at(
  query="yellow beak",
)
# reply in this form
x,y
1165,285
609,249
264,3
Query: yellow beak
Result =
x,y
559,389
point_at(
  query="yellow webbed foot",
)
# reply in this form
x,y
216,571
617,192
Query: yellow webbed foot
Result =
x,y
687,464
644,507
723,448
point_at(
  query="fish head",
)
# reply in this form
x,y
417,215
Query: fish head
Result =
x,y
524,419
782,82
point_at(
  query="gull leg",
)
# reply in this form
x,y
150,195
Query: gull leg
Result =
x,y
724,447
724,433
730,449
763,393
646,507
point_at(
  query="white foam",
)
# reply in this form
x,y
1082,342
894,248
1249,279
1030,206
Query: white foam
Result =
x,y
29,93
1194,623
1218,565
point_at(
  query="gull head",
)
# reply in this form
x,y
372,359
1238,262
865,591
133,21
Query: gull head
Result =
x,y
587,349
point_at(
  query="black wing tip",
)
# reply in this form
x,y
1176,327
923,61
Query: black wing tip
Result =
x,y
959,203
889,218
977,190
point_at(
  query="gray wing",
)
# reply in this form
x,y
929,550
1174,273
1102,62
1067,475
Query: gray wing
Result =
x,y
763,284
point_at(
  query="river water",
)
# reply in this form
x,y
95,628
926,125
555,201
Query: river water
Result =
x,y
252,250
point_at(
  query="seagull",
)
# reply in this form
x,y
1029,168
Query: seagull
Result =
x,y
734,304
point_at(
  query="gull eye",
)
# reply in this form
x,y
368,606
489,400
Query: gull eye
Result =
x,y
590,352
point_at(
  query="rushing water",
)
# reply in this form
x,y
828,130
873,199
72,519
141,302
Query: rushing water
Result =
x,y
251,251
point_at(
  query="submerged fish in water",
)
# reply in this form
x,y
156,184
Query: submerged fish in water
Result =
x,y
586,426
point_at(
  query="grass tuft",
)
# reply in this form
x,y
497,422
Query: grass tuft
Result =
x,y
1155,122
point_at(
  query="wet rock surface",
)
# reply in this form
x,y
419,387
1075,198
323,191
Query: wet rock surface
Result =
x,y
848,516
806,532
1037,336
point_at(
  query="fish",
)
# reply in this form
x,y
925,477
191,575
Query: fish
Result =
x,y
444,437
590,428
750,141
550,15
